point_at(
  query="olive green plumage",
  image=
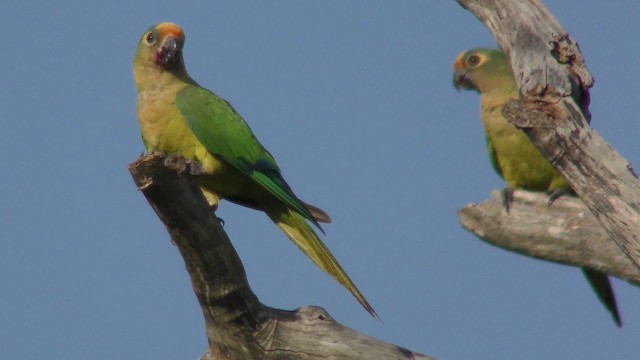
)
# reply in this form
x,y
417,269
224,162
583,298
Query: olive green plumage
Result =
x,y
177,116
512,154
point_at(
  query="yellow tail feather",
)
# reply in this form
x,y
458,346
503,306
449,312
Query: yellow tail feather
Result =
x,y
299,231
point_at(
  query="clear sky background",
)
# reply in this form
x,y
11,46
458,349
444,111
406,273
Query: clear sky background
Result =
x,y
355,101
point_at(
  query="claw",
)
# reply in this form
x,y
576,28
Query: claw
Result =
x,y
174,161
555,194
507,198
194,168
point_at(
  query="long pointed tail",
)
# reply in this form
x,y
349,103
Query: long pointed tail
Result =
x,y
602,287
299,231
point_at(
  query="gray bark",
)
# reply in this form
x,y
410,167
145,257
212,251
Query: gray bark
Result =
x,y
553,111
565,232
238,326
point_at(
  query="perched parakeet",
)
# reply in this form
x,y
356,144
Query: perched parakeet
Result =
x,y
512,154
178,116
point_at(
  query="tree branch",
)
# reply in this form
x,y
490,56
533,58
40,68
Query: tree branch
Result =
x,y
553,111
565,232
238,326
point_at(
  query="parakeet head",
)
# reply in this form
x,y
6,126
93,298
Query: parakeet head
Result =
x,y
482,70
161,46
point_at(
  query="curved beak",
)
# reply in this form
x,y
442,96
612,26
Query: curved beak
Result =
x,y
461,80
169,53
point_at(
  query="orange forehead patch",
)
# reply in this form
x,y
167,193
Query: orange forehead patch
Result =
x,y
166,29
458,65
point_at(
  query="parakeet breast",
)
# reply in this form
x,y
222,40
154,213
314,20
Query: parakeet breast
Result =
x,y
164,130
521,164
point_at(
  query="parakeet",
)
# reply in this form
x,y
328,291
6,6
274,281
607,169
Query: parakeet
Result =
x,y
512,154
178,116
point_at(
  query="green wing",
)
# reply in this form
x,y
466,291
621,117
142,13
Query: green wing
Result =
x,y
226,135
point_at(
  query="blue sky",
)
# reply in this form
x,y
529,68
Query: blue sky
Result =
x,y
354,99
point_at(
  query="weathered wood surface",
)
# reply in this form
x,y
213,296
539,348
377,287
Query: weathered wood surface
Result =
x,y
553,111
238,326
566,232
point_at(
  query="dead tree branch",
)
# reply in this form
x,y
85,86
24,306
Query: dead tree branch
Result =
x,y
238,326
566,232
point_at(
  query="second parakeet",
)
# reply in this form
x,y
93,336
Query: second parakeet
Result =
x,y
178,116
512,154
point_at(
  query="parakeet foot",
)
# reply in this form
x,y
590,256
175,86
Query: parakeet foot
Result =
x,y
174,161
194,168
555,194
507,198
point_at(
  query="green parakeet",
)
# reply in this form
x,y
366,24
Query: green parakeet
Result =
x,y
178,116
512,154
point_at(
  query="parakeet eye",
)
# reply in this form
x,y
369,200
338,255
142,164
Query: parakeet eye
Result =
x,y
473,60
149,38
